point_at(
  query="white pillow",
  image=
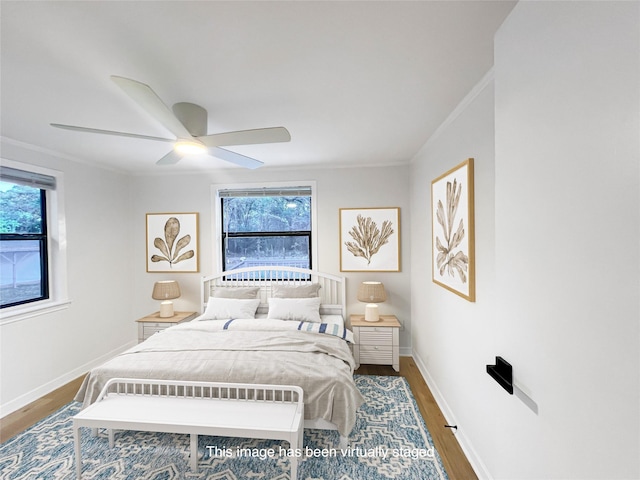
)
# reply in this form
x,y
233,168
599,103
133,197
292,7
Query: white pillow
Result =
x,y
223,308
300,309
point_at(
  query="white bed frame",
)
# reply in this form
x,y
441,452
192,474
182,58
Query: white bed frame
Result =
x,y
332,293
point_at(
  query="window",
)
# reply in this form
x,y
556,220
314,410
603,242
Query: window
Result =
x,y
24,275
266,226
32,257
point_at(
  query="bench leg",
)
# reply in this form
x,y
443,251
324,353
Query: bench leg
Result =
x,y
110,432
296,442
344,442
194,452
294,468
76,441
301,438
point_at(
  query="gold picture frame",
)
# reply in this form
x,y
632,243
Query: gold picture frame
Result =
x,y
453,231
370,239
172,243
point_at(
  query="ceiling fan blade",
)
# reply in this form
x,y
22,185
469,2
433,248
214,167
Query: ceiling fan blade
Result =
x,y
110,132
144,96
236,158
247,137
170,158
192,116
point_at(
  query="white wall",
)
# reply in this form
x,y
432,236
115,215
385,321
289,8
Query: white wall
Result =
x,y
336,188
43,352
558,290
567,236
452,338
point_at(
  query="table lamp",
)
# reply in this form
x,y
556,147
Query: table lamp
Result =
x,y
371,293
166,290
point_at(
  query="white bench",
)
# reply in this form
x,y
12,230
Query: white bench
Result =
x,y
273,412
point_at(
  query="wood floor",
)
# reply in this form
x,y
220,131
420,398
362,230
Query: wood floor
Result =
x,y
23,418
454,460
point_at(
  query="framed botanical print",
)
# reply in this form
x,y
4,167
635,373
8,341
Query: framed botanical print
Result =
x,y
453,242
370,239
172,242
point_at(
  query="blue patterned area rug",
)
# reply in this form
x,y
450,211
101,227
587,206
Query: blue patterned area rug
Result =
x,y
389,441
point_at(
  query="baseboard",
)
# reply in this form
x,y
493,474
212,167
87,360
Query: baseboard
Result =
x,y
476,463
58,382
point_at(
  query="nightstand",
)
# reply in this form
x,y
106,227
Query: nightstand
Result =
x,y
154,323
378,342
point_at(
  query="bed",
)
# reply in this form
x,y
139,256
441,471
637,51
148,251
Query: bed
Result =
x,y
276,325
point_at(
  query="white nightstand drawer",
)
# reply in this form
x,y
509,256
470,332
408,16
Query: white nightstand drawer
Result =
x,y
154,328
375,336
377,355
159,324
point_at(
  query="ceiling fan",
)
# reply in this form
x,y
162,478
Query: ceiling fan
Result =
x,y
188,122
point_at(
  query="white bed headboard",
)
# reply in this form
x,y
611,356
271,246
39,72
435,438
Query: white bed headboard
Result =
x,y
332,287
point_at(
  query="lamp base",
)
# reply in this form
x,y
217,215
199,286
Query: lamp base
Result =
x,y
371,313
166,309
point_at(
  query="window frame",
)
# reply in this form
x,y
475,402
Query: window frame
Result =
x,y
56,246
217,218
42,239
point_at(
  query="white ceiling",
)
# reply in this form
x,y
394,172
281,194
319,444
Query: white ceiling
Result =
x,y
355,83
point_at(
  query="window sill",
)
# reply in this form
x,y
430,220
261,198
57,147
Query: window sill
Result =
x,y
17,314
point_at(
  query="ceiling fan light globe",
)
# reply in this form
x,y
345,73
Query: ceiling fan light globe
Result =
x,y
187,147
